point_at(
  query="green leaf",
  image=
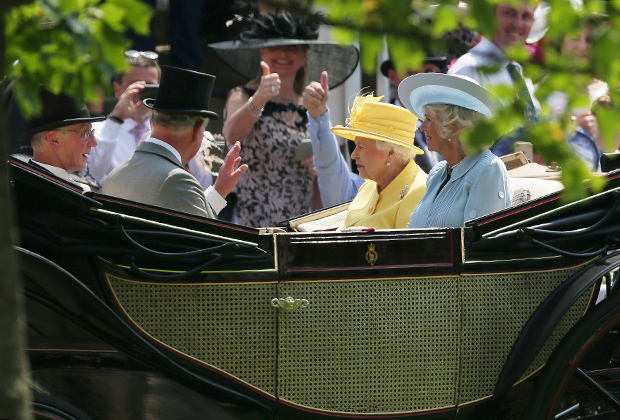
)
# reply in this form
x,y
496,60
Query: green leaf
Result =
x,y
371,45
114,16
609,127
407,54
445,20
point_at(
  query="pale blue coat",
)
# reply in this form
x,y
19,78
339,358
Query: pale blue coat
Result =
x,y
479,185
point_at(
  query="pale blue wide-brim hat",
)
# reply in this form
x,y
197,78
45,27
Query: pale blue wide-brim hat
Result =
x,y
419,90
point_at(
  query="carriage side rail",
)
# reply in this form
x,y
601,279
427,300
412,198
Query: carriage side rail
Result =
x,y
543,321
614,192
611,241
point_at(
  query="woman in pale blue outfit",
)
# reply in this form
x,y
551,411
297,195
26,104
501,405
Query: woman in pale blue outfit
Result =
x,y
463,186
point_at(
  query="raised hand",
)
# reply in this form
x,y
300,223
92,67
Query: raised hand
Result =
x,y
229,172
129,103
269,85
315,97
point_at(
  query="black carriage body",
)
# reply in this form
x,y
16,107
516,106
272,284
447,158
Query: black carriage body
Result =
x,y
138,312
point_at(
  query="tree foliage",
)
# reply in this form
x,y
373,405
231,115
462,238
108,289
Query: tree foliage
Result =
x,y
73,46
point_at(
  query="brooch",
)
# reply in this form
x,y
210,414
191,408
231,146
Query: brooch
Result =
x,y
402,193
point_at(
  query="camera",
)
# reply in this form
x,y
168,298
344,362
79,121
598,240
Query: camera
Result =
x,y
149,91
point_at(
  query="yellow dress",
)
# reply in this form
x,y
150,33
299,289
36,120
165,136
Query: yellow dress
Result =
x,y
391,208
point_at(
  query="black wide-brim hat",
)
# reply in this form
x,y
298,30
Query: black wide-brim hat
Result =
x,y
183,91
243,55
57,111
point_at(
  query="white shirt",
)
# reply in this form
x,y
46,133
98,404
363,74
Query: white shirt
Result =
x,y
117,144
214,198
61,173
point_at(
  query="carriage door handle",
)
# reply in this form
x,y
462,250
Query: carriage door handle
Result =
x,y
289,303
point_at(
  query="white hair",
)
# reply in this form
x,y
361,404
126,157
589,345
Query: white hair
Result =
x,y
403,153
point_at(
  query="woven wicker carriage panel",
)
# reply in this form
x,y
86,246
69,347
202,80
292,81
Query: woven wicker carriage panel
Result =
x,y
231,327
388,345
560,330
495,309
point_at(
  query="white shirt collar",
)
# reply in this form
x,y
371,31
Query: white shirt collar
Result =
x,y
130,123
61,173
172,150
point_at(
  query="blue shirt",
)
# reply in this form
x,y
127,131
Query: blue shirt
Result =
x,y
584,146
479,185
336,182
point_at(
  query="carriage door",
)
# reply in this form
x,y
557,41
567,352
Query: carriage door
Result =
x,y
367,322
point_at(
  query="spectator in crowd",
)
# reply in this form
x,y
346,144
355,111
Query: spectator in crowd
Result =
x,y
62,137
384,152
432,64
576,48
585,140
514,21
464,186
156,173
266,115
129,122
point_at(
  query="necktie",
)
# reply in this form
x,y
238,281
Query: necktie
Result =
x,y
524,92
139,132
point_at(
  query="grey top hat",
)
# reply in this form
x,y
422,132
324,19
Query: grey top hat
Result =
x,y
243,55
183,91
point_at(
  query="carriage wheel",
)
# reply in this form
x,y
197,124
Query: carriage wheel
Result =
x,y
581,380
46,407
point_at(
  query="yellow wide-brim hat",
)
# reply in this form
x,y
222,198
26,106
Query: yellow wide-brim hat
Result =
x,y
379,121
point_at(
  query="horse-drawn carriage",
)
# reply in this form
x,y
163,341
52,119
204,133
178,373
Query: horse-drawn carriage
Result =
x,y
138,312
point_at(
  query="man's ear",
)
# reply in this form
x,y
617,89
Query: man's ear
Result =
x,y
53,139
198,130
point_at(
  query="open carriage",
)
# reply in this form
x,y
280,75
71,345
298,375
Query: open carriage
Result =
x,y
138,312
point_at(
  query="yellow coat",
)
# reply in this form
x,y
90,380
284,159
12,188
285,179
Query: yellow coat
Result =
x,y
391,208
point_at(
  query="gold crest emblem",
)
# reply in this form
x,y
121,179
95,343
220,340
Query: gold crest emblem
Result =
x,y
371,254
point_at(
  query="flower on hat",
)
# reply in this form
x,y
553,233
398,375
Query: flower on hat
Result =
x,y
359,110
373,119
283,25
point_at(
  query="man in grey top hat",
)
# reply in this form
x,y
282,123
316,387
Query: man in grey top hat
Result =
x,y
156,174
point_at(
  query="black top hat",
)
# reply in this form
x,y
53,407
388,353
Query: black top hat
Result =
x,y
440,61
58,111
183,91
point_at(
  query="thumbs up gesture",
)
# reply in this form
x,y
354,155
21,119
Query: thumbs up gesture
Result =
x,y
269,85
315,97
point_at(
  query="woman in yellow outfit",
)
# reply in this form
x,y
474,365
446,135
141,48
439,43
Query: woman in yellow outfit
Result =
x,y
384,152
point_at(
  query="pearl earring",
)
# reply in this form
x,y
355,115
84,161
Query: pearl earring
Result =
x,y
449,139
388,163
